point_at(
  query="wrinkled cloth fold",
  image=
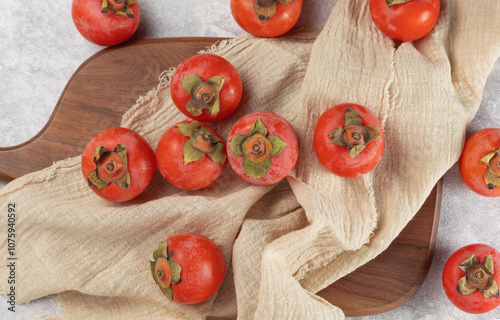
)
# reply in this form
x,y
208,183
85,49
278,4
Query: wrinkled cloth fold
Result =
x,y
284,243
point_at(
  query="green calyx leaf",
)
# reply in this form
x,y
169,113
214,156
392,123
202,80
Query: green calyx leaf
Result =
x,y
354,151
176,269
188,128
121,9
95,181
191,154
492,176
236,143
215,108
217,81
168,293
492,291
189,82
124,182
258,127
351,117
372,132
277,144
471,260
463,288
488,264
256,149
161,251
194,108
219,154
256,170
336,135
204,95
201,142
390,3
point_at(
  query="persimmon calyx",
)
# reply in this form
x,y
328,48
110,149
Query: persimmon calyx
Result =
x,y
256,149
354,135
204,95
478,276
118,7
266,9
492,176
164,271
201,142
111,166
390,3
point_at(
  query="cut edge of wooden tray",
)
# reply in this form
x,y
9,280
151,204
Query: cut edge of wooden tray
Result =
x,y
433,201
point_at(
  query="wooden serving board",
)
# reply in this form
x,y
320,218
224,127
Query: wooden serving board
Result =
x,y
111,81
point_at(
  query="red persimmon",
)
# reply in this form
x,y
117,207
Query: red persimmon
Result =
x,y
262,148
266,18
189,268
190,155
348,140
405,20
106,22
479,164
471,277
206,87
118,164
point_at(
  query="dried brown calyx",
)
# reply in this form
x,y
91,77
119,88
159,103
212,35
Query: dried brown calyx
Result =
x,y
478,276
265,9
354,135
492,176
165,272
118,7
111,166
204,95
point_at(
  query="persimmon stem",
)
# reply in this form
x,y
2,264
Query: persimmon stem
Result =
x,y
159,273
110,167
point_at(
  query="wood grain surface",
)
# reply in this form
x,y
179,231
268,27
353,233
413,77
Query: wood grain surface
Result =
x,y
110,82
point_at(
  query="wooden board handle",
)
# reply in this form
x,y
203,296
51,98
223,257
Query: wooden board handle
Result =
x,y
103,88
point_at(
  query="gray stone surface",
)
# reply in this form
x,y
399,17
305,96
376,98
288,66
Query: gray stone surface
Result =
x,y
40,49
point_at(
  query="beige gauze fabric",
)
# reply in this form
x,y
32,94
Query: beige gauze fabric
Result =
x,y
282,243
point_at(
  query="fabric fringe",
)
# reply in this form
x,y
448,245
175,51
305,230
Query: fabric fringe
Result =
x,y
218,46
40,176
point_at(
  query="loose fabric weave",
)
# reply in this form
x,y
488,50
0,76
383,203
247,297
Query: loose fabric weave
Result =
x,y
282,243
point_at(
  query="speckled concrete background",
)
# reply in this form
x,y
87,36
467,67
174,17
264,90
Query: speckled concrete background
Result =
x,y
40,49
